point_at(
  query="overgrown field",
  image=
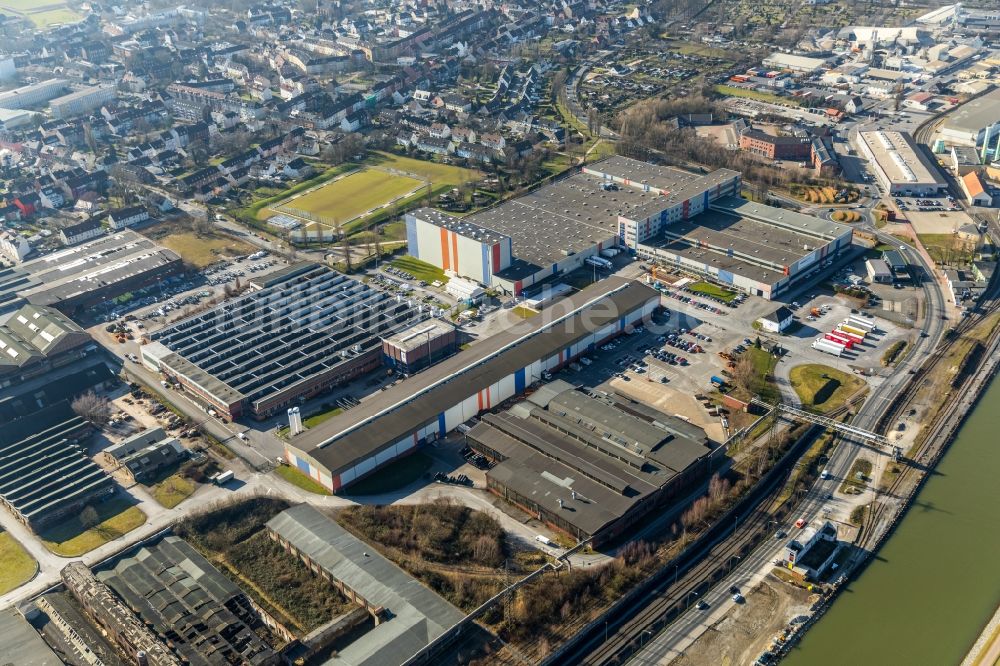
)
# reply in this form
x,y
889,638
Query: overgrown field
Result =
x,y
233,536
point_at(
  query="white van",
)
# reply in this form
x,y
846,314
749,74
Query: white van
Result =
x,y
825,474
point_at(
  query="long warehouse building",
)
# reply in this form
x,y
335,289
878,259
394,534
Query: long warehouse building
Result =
x,y
688,220
428,405
309,330
900,166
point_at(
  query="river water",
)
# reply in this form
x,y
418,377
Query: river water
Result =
x,y
936,581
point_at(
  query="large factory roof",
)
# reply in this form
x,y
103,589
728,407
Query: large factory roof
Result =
x,y
599,454
22,644
418,335
781,218
47,471
391,415
461,226
177,592
565,217
975,115
83,268
675,184
290,332
898,156
415,615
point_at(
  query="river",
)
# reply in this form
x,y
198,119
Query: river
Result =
x,y
936,582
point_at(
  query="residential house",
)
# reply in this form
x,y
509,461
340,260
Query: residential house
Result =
x,y
127,217
83,231
777,321
14,246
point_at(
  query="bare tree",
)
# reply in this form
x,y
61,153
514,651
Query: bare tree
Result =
x,y
93,407
744,374
89,517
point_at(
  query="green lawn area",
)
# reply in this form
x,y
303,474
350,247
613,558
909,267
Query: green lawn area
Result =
x,y
316,419
945,248
437,173
71,539
732,91
355,194
172,490
16,566
763,365
420,270
393,476
41,12
822,388
523,312
715,291
297,478
53,16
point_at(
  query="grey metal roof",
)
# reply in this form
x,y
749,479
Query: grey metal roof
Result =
x,y
599,455
975,115
416,615
349,438
175,589
22,646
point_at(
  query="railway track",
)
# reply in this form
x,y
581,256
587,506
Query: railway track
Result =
x,y
732,539
870,536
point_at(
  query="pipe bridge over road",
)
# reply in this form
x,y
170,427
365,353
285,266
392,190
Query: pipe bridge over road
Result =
x,y
817,419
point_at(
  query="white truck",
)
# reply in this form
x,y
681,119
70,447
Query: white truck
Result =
x,y
222,478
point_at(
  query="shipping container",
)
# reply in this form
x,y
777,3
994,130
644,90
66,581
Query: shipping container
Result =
x,y
853,337
849,328
718,381
828,347
834,337
862,323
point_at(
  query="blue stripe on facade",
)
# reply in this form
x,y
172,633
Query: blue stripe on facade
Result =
x,y
442,428
555,269
519,381
412,247
302,464
486,263
725,276
705,200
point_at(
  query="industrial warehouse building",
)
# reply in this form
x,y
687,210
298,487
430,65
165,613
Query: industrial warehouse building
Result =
x,y
423,345
900,166
555,228
37,339
201,615
310,330
590,464
408,616
755,248
79,277
692,221
143,455
47,475
969,124
430,404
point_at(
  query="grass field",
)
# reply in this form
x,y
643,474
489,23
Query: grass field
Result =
x,y
355,194
437,173
41,12
172,490
420,270
16,566
732,91
822,388
715,291
300,480
71,539
199,250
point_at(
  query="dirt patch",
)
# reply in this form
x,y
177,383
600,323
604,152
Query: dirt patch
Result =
x,y
749,628
670,401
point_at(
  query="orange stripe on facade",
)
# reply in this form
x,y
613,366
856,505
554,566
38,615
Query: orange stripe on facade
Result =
x,y
454,246
489,401
479,398
445,263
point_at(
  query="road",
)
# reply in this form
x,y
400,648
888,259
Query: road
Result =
x,y
682,632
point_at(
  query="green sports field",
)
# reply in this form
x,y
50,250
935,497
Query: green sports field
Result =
x,y
40,12
354,195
